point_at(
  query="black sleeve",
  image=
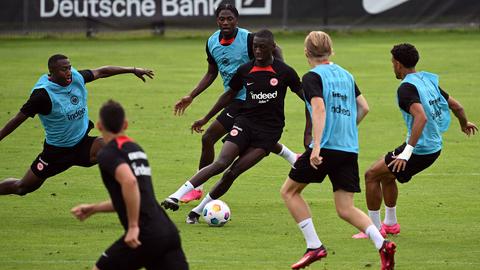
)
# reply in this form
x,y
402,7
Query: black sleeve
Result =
x,y
109,159
39,102
210,59
250,45
357,91
236,83
87,75
443,93
407,95
294,81
312,85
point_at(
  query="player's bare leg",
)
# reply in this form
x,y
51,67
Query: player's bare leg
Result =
x,y
211,136
226,157
29,183
248,159
96,146
300,211
374,194
390,194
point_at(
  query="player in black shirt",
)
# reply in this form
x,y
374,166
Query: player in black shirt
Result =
x,y
237,51
256,129
151,240
61,105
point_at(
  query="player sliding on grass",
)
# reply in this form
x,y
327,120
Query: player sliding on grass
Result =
x,y
336,107
256,129
151,239
425,109
227,49
60,100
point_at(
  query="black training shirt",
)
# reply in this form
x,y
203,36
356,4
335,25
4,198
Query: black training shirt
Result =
x,y
313,86
408,94
250,36
40,102
153,221
266,90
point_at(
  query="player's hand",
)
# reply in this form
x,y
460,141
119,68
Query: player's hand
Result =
x,y
83,211
141,72
398,164
470,129
197,125
131,238
315,158
181,105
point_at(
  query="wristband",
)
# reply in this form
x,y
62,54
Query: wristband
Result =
x,y
406,153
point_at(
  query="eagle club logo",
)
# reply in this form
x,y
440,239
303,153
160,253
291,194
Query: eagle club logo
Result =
x,y
74,100
273,81
234,132
40,166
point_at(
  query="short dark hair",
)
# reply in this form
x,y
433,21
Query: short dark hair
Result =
x,y
406,54
265,33
112,116
226,6
54,58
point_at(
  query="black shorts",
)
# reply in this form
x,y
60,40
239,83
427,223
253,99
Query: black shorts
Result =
x,y
54,160
415,164
244,136
153,254
341,167
227,116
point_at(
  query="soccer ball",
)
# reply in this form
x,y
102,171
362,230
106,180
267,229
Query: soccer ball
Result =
x,y
216,213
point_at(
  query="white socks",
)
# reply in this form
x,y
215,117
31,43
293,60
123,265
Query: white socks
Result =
x,y
375,236
202,204
288,155
375,217
309,233
184,189
390,216
199,187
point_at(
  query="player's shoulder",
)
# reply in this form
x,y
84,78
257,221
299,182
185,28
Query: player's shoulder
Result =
x,y
406,87
281,66
213,37
245,68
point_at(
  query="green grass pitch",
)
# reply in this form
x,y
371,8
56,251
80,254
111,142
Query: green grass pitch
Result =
x,y
439,210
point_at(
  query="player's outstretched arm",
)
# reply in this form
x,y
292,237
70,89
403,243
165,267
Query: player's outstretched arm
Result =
x,y
84,211
131,196
468,128
11,125
107,71
221,103
362,108
205,82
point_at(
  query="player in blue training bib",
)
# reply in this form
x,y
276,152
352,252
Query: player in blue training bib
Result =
x,y
426,110
60,100
227,49
336,107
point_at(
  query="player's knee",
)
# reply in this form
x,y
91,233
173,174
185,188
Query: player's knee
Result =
x,y
344,213
286,193
208,139
230,175
22,189
220,165
370,175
